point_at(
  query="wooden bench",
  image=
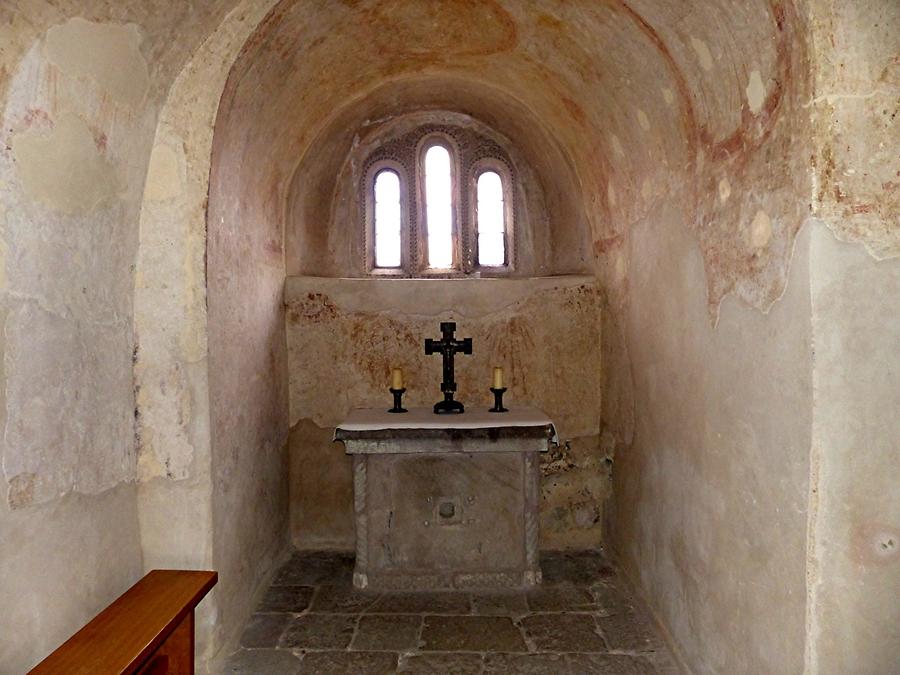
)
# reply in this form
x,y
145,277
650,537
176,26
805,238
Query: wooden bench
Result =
x,y
149,630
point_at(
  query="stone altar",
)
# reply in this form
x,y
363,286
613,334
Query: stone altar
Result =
x,y
446,502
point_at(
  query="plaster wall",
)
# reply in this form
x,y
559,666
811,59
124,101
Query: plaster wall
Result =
x,y
81,84
855,524
175,462
345,335
70,177
710,500
62,562
854,566
247,369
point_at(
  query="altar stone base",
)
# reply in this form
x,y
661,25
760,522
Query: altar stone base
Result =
x,y
447,508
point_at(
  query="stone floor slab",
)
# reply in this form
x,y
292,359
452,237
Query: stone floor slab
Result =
x,y
264,630
499,604
347,663
342,600
609,664
561,598
524,664
611,599
319,631
390,632
629,632
581,568
471,634
563,633
440,664
422,603
286,599
257,661
312,569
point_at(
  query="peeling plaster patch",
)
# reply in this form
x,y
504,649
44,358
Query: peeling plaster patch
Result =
x,y
756,92
574,485
64,169
724,190
617,146
643,120
611,194
21,490
165,448
148,464
106,53
760,229
668,95
164,179
706,61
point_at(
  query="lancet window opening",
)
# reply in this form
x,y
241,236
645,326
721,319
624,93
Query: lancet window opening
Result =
x,y
492,214
439,200
387,218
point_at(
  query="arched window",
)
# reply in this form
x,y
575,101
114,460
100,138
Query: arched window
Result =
x,y
439,201
490,213
388,220
439,207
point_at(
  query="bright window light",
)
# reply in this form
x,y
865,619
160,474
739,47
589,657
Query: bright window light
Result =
x,y
439,207
387,219
491,220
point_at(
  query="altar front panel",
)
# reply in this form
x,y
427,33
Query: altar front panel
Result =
x,y
459,516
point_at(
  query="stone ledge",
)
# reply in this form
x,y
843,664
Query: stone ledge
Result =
x,y
470,296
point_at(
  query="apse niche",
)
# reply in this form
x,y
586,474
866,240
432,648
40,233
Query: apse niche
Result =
x,y
326,217
533,308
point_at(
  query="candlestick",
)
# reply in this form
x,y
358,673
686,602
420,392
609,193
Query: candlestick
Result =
x,y
498,400
397,378
398,400
498,378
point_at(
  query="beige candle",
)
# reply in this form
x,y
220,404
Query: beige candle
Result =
x,y
498,377
397,378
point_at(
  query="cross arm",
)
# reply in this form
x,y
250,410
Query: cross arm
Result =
x,y
463,346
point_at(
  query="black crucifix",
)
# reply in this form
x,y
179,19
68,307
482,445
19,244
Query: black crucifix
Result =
x,y
447,347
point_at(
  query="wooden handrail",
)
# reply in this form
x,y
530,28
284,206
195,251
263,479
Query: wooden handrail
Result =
x,y
148,630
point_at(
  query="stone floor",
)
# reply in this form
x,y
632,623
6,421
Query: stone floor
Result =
x,y
582,620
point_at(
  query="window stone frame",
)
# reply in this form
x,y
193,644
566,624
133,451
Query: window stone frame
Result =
x,y
372,171
498,166
471,153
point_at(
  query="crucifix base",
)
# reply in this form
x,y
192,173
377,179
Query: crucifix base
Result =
x,y
449,407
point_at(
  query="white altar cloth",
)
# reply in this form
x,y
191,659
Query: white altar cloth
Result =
x,y
377,419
